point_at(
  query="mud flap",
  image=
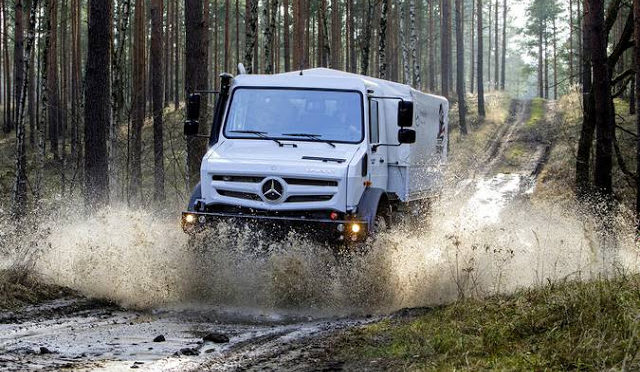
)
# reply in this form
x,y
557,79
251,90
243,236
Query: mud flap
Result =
x,y
368,206
197,194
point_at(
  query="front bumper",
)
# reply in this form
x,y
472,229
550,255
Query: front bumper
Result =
x,y
350,229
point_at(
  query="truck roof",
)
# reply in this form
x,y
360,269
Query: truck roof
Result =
x,y
329,79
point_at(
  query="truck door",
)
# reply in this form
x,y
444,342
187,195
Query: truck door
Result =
x,y
377,135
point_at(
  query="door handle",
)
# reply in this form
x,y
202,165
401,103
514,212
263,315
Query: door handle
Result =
x,y
381,161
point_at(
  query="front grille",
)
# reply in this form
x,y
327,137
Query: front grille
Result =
x,y
308,198
239,195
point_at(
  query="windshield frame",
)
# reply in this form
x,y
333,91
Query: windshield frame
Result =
x,y
296,139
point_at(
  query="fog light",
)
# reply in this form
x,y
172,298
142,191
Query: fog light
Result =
x,y
355,228
340,227
189,218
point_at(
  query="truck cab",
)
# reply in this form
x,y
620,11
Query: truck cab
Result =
x,y
319,148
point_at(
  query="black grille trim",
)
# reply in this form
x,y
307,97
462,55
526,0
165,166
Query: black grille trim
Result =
x,y
310,182
239,179
308,198
239,195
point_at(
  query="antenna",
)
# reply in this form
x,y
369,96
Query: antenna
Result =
x,y
241,69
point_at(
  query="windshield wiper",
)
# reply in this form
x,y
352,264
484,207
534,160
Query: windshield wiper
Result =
x,y
260,134
313,137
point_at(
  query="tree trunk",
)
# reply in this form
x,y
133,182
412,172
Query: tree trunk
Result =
x,y
76,87
481,108
496,75
504,46
251,19
31,92
473,46
196,79
97,103
431,52
157,72
52,78
366,37
122,13
604,121
445,49
382,46
462,108
227,45
555,60
414,45
636,22
20,185
287,37
138,94
571,58
406,76
583,157
8,123
540,62
237,33
336,34
18,55
176,56
269,34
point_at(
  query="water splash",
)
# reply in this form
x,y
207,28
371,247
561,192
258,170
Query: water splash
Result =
x,y
491,239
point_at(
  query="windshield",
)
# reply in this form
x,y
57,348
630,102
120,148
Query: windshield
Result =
x,y
296,114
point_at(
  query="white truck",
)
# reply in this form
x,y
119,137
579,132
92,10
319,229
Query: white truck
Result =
x,y
332,152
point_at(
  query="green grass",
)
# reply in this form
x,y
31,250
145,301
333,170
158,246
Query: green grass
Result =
x,y
537,112
586,326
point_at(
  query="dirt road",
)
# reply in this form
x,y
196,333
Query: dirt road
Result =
x,y
82,334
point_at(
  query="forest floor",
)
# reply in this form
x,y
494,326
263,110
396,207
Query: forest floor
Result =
x,y
496,279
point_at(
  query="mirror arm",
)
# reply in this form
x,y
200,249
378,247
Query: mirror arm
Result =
x,y
374,148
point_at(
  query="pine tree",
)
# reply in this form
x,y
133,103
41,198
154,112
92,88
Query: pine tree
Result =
x,y
462,109
97,103
481,108
157,72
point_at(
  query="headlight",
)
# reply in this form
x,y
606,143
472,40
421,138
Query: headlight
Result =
x,y
355,228
189,218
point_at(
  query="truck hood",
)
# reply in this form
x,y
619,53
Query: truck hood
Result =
x,y
271,152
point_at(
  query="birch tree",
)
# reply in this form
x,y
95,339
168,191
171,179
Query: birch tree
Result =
x,y
414,45
251,24
20,185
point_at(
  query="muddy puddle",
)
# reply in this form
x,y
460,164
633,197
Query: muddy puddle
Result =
x,y
489,237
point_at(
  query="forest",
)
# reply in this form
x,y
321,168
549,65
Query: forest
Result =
x,y
476,195
80,79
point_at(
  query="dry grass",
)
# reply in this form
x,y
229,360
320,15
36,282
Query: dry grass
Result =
x,y
19,287
464,150
569,326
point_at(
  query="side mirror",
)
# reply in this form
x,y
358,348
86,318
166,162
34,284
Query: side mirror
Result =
x,y
192,124
405,114
406,136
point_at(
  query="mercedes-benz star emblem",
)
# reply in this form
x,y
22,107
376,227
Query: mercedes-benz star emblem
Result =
x,y
272,190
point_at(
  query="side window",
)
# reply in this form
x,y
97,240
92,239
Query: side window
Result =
x,y
374,129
